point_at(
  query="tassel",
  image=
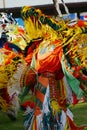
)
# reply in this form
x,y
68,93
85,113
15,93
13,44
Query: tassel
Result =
x,y
28,118
34,124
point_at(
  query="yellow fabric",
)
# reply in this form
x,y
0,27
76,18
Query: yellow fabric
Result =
x,y
67,126
55,106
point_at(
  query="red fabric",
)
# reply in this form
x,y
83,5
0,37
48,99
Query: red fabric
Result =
x,y
30,78
75,100
4,94
73,125
6,46
10,56
59,74
50,61
30,50
28,58
28,103
81,23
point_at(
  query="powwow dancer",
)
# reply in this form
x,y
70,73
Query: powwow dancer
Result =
x,y
56,68
11,64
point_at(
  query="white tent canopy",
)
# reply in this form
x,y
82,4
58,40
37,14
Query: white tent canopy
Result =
x,y
20,3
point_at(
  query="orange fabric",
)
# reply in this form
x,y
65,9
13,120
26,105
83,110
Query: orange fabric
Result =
x,y
43,81
30,50
30,78
49,62
29,58
35,124
10,56
37,111
21,30
40,96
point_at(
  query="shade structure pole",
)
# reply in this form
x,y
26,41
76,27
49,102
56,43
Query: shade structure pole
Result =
x,y
3,3
56,4
66,8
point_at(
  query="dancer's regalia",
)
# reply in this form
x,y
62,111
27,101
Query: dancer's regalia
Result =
x,y
11,63
56,69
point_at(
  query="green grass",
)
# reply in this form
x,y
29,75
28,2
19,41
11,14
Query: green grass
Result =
x,y
79,111
7,124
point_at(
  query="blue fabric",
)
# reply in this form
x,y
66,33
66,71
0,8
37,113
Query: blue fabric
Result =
x,y
2,41
20,21
71,16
